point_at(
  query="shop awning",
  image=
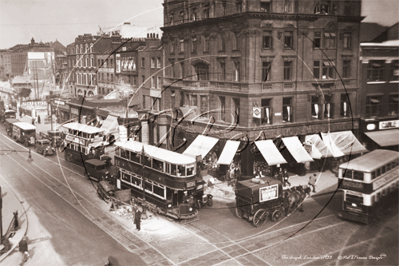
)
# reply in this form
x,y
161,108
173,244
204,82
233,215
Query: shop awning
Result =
x,y
200,146
296,149
110,124
385,138
270,152
319,148
228,152
344,142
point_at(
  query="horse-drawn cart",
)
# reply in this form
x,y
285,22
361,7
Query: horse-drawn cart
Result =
x,y
259,199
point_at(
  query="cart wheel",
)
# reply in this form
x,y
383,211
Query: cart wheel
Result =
x,y
276,216
239,213
209,202
260,218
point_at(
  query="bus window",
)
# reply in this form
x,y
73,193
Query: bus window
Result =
x,y
383,170
388,167
148,186
347,173
372,175
124,154
117,151
358,175
134,157
126,177
147,161
378,172
167,170
157,165
190,170
181,170
354,199
173,169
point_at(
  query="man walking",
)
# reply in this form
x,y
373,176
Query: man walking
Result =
x,y
137,219
312,182
23,248
286,178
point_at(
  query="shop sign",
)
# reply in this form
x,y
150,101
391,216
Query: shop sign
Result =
x,y
34,103
386,179
59,102
74,111
268,193
256,112
389,124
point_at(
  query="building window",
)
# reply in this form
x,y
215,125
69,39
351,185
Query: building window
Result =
x,y
194,14
159,82
206,12
224,8
236,41
373,106
287,70
266,112
317,40
194,45
158,62
194,100
143,80
152,63
91,61
393,105
395,70
171,19
315,108
182,45
182,70
237,71
344,108
206,44
204,106
236,105
182,99
172,99
288,40
316,69
267,40
328,106
182,16
375,70
91,48
329,39
152,82
112,77
328,70
266,70
222,43
202,71
172,47
222,71
143,62
265,5
347,40
287,110
239,6
86,61
222,100
81,49
77,49
346,68
288,6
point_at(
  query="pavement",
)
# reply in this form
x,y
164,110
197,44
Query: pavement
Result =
x,y
11,203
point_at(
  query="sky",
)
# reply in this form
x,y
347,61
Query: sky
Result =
x,y
64,20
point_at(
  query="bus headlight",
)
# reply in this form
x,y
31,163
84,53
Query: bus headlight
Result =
x,y
169,205
190,209
354,205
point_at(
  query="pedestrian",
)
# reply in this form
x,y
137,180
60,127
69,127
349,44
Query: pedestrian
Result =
x,y
6,244
286,178
16,222
33,121
312,182
23,248
38,119
137,219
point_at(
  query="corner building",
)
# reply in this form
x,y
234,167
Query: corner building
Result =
x,y
275,68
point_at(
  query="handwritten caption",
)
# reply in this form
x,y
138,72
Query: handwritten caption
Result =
x,y
329,257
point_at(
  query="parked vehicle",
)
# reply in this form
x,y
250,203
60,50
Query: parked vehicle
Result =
x,y
97,170
55,136
44,147
24,132
8,114
8,125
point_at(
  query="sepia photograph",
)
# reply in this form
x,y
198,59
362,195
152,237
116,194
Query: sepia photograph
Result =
x,y
199,132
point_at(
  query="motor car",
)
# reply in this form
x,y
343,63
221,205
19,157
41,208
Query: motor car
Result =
x,y
97,170
44,147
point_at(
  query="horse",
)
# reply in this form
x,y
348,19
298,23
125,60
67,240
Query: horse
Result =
x,y
294,198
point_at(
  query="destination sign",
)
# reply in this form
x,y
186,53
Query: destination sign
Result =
x,y
357,186
385,179
268,193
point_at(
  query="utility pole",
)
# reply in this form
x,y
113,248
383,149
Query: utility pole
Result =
x,y
1,217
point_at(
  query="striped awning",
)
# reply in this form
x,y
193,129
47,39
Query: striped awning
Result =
x,y
319,148
270,152
200,146
343,143
296,149
228,152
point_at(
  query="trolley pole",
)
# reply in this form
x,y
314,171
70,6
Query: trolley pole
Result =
x,y
1,217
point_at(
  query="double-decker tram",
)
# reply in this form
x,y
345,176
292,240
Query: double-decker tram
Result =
x,y
83,142
369,184
167,177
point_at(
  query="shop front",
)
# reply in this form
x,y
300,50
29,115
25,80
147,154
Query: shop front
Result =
x,y
380,133
61,110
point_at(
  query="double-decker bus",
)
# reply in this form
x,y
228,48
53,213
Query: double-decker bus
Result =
x,y
369,183
83,142
167,177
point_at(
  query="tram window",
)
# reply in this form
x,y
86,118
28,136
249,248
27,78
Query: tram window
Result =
x,y
383,170
126,177
136,181
190,170
347,173
358,175
148,186
157,165
181,170
372,175
159,191
173,169
167,170
134,157
169,193
124,153
147,161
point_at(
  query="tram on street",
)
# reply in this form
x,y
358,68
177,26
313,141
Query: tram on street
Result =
x,y
83,142
163,178
369,184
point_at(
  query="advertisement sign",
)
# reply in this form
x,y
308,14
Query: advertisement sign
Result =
x,y
389,124
256,112
268,193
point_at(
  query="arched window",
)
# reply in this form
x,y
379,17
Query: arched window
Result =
x,y
201,71
81,48
90,93
91,48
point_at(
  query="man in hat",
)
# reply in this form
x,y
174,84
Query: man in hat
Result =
x,y
23,248
137,219
312,182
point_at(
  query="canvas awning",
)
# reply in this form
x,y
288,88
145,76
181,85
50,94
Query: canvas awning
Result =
x,y
270,152
343,143
296,149
200,146
319,148
110,124
228,152
384,138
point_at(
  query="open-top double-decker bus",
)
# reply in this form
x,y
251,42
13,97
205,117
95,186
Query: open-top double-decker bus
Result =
x,y
167,177
369,183
83,142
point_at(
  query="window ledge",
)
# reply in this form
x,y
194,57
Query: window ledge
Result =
x,y
394,81
376,82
